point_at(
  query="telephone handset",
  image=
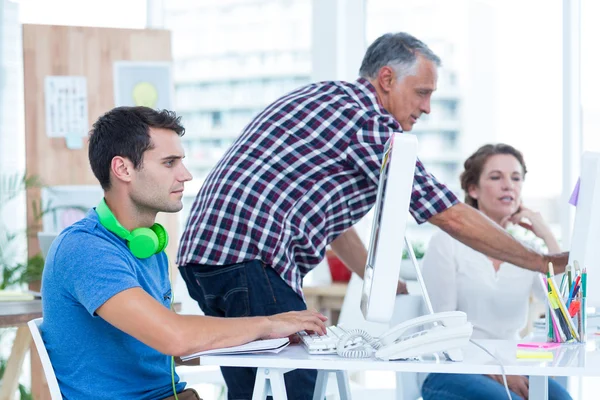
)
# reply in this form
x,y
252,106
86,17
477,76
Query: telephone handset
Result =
x,y
451,331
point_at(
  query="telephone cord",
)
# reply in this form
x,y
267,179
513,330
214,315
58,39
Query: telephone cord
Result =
x,y
501,367
364,350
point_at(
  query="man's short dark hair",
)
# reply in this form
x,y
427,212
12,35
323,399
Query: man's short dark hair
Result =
x,y
125,132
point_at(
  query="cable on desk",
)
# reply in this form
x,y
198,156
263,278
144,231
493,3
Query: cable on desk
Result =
x,y
501,367
366,348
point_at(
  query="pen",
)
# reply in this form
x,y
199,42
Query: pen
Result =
x,y
580,329
562,284
552,333
575,285
584,282
570,281
577,269
551,269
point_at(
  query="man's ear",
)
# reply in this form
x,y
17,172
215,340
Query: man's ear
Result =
x,y
385,78
121,168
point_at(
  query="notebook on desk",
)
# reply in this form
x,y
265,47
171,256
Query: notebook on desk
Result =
x,y
16,295
258,346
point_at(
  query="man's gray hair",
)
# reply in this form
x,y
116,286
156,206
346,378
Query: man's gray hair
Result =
x,y
397,50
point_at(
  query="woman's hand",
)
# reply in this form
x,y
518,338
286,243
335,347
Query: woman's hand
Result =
x,y
530,220
533,221
516,383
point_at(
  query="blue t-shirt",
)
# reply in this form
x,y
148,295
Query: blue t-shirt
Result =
x,y
86,266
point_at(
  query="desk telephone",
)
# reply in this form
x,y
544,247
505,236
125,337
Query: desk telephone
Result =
x,y
450,332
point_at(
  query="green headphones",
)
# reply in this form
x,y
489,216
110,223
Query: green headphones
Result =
x,y
143,242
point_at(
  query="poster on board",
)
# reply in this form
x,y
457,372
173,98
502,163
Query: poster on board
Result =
x,y
66,107
146,84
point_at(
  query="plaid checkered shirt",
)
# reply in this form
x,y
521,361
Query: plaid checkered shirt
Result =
x,y
301,173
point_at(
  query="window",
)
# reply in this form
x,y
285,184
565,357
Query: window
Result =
x,y
500,81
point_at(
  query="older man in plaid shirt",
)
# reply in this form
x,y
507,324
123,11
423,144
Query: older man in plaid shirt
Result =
x,y
301,174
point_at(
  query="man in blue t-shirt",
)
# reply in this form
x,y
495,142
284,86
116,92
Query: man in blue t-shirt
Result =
x,y
108,326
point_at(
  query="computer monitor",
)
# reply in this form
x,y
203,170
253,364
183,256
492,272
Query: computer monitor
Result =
x,y
46,239
585,239
387,232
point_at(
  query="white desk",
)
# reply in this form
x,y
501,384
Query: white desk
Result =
x,y
569,360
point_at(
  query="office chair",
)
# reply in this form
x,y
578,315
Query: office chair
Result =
x,y
34,327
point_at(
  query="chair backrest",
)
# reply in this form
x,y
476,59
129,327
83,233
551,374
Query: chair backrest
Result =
x,y
34,327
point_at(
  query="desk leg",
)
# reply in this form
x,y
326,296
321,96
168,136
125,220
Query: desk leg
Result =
x,y
10,380
270,382
342,382
343,385
321,384
538,387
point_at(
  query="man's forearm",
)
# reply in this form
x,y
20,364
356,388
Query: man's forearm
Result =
x,y
477,231
351,251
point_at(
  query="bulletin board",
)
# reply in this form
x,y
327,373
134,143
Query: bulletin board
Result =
x,y
85,57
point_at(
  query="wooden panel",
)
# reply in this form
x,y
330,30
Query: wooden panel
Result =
x,y
82,51
89,52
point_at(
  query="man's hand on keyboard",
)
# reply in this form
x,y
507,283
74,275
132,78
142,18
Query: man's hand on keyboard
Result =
x,y
287,324
401,288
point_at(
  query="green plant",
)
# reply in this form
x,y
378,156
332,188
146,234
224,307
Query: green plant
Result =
x,y
418,248
13,270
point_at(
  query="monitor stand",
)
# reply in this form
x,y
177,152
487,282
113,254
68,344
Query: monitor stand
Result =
x,y
451,355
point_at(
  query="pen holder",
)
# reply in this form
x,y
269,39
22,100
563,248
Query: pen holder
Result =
x,y
566,320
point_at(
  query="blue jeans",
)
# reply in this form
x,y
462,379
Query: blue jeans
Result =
x,y
244,290
476,387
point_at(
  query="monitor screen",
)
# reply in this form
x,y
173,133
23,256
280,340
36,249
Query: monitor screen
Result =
x,y
46,240
387,232
586,229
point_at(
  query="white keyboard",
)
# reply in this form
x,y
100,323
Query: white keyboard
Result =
x,y
326,344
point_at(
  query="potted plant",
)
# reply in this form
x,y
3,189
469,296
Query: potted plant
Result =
x,y
407,270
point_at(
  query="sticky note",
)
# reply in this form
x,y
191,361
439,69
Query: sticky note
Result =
x,y
538,345
535,355
74,141
575,195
